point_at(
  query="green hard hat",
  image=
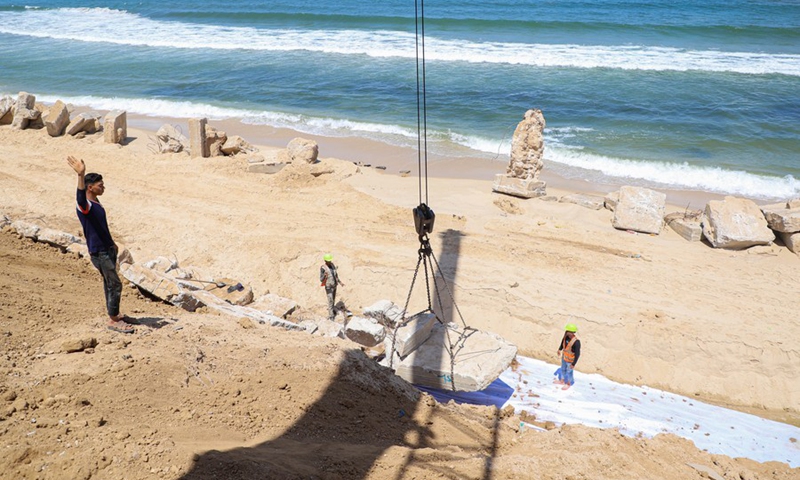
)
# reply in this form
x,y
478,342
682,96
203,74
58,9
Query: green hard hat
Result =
x,y
328,257
571,327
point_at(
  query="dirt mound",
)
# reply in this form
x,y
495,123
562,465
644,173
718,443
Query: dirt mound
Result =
x,y
198,396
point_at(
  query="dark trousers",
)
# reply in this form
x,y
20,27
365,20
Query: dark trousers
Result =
x,y
106,263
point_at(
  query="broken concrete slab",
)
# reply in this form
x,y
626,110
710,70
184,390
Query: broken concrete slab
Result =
x,y
587,201
385,312
57,119
688,227
478,358
215,303
411,335
610,200
786,220
275,305
25,229
268,168
56,238
364,331
518,187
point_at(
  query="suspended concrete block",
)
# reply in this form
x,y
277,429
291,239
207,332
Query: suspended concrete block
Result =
x,y
478,358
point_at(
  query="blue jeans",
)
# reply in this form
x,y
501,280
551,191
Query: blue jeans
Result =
x,y
566,372
106,263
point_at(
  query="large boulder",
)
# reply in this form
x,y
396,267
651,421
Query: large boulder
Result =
x,y
735,223
639,209
57,119
302,150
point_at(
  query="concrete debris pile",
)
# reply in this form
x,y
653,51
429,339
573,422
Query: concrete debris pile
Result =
x,y
25,113
204,141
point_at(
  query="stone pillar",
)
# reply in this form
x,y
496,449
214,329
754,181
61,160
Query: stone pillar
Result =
x,y
115,128
527,149
198,147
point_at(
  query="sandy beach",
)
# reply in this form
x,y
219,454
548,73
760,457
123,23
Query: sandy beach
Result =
x,y
717,325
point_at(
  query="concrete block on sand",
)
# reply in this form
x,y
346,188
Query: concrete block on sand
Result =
x,y
364,331
268,168
519,187
197,137
115,127
735,223
479,358
56,238
639,209
407,338
610,200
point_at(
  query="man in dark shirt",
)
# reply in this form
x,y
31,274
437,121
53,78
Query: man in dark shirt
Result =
x,y
569,350
102,248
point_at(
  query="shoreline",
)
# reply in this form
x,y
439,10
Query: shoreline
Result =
x,y
397,159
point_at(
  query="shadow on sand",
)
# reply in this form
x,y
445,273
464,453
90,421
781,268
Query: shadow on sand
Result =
x,y
355,422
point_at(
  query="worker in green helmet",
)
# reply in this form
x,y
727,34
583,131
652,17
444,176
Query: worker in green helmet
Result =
x,y
569,350
329,278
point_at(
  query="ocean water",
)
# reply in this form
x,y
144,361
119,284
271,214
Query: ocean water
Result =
x,y
684,94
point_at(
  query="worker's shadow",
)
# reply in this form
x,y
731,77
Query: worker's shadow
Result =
x,y
363,412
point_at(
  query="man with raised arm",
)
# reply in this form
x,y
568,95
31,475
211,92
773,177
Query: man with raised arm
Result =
x,y
102,249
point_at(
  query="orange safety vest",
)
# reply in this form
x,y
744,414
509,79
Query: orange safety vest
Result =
x,y
566,349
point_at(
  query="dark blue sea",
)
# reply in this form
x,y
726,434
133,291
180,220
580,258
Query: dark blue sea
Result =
x,y
686,94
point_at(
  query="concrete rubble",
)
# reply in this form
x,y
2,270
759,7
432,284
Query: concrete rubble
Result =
x,y
275,304
364,331
169,139
385,312
587,201
688,225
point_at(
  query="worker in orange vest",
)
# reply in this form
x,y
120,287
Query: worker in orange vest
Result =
x,y
569,350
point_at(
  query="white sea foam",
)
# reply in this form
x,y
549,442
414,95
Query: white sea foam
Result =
x,y
120,27
671,175
679,175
